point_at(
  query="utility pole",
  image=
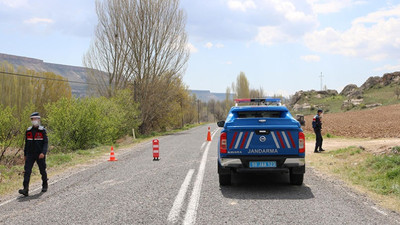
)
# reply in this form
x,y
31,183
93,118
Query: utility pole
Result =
x,y
321,80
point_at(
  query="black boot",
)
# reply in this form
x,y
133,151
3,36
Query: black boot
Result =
x,y
45,186
321,150
316,150
24,191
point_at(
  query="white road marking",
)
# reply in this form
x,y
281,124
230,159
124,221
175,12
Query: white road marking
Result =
x,y
8,201
74,173
37,189
176,207
379,211
202,146
248,142
191,212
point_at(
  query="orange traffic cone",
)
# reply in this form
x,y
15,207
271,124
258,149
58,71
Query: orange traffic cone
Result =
x,y
209,135
112,156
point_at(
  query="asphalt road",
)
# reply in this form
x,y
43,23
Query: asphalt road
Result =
x,y
182,188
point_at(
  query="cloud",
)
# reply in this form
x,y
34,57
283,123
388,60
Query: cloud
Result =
x,y
374,37
208,45
387,67
225,19
191,48
14,3
310,58
53,16
270,35
332,6
289,11
293,21
36,20
229,63
241,5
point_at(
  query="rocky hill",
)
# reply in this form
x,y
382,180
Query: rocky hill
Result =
x,y
72,73
376,91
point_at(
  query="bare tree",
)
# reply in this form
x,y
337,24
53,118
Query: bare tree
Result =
x,y
228,100
257,93
158,42
140,44
108,54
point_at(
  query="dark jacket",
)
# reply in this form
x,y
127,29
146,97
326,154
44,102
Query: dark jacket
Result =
x,y
316,123
36,141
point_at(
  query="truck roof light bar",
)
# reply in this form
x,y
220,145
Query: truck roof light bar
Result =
x,y
264,101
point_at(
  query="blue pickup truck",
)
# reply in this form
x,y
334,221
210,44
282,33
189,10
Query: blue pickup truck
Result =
x,y
261,138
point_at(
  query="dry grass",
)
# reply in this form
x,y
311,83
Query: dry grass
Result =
x,y
364,172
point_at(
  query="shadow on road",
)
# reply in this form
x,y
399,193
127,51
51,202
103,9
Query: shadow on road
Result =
x,y
30,197
264,186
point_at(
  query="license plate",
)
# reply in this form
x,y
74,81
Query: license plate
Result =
x,y
262,164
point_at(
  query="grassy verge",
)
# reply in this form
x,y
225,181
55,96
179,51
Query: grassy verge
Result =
x,y
311,136
376,175
11,177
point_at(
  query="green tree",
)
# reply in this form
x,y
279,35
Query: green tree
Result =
x,y
37,88
242,86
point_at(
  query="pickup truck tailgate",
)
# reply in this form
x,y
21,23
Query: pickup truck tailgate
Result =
x,y
262,142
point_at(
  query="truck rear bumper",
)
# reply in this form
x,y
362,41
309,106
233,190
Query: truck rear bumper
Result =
x,y
263,170
241,165
237,162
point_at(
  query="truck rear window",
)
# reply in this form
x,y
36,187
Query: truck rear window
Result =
x,y
259,114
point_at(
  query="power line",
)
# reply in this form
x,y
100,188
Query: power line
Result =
x,y
45,78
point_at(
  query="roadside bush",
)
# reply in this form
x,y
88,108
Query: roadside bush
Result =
x,y
12,131
395,150
8,130
85,123
131,112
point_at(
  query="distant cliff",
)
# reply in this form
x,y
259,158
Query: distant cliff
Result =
x,y
72,73
76,73
206,96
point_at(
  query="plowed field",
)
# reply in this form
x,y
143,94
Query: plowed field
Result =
x,y
381,122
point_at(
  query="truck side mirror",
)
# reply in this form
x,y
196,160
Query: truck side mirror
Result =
x,y
301,119
221,123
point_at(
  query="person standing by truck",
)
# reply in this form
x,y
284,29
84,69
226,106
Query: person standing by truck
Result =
x,y
317,126
36,144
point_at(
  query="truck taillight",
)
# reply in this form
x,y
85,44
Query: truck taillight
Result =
x,y
222,143
302,143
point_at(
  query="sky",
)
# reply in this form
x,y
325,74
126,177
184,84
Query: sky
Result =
x,y
282,46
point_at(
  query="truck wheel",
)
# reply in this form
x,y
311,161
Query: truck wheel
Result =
x,y
224,176
224,179
296,179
